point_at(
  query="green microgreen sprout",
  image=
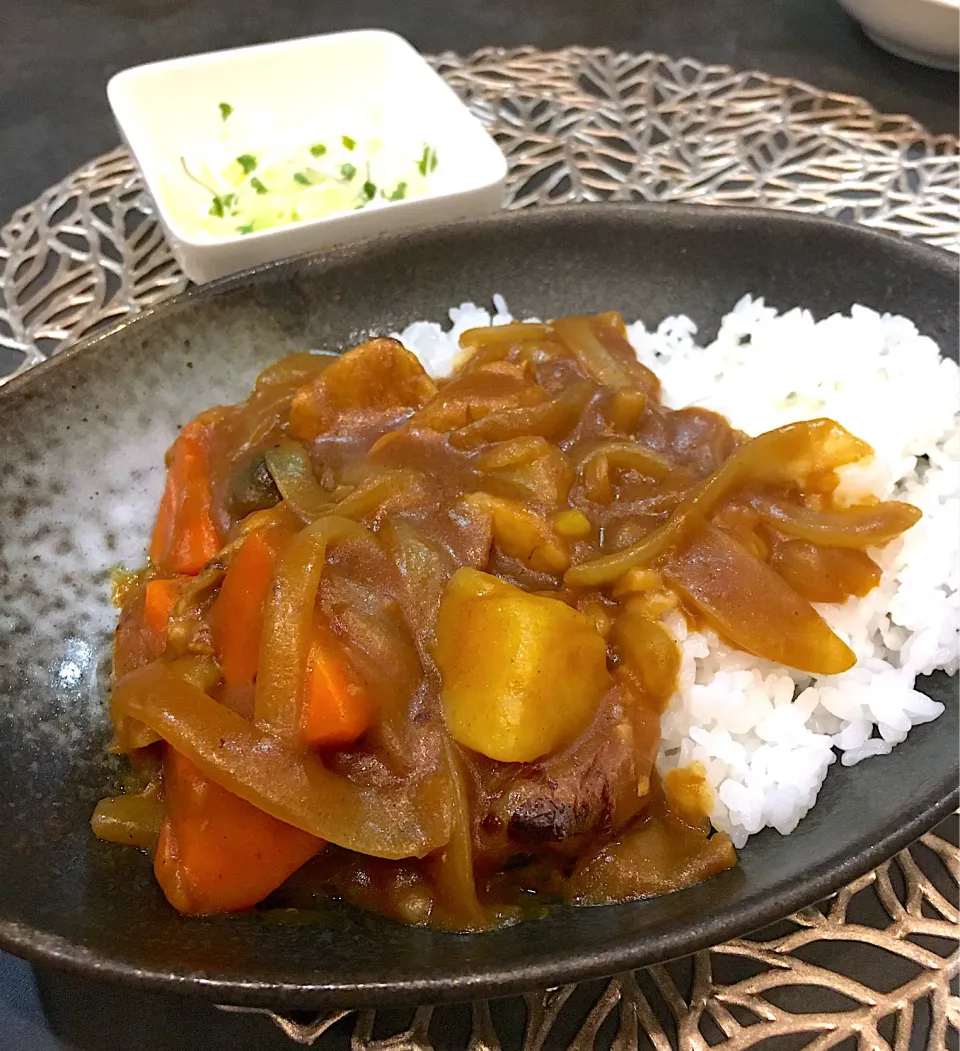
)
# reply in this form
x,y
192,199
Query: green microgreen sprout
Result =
x,y
428,161
210,190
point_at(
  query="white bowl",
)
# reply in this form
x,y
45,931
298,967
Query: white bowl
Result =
x,y
924,31
165,109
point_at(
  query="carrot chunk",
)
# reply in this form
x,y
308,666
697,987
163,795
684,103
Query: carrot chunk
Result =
x,y
335,708
218,853
185,537
160,596
236,619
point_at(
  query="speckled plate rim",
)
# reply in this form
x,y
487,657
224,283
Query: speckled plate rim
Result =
x,y
750,914
519,977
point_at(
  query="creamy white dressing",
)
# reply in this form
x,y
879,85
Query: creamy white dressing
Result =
x,y
247,178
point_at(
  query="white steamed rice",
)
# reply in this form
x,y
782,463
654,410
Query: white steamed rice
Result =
x,y
767,734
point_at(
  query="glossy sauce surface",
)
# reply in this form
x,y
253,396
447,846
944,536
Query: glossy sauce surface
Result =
x,y
451,673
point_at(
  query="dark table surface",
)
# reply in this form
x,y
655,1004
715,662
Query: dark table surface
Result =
x,y
57,55
55,59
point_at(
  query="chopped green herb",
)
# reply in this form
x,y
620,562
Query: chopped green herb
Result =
x,y
286,181
428,161
222,204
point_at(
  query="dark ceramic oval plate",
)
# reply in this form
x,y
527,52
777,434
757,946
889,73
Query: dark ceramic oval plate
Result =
x,y
80,476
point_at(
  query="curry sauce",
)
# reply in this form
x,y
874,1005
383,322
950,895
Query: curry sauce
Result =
x,y
401,641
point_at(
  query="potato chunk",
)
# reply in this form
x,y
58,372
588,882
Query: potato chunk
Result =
x,y
522,533
522,674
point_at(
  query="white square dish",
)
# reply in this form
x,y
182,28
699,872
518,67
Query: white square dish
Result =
x,y
290,89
